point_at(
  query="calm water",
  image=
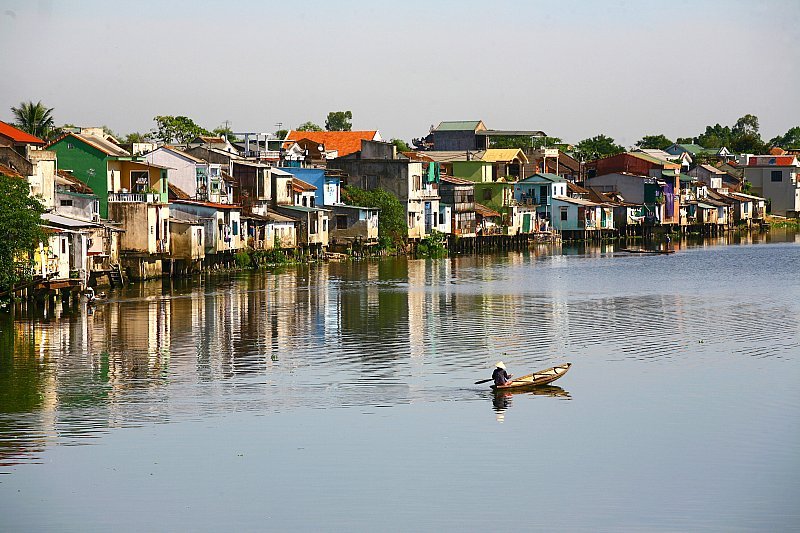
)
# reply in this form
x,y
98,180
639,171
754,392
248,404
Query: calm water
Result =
x,y
340,397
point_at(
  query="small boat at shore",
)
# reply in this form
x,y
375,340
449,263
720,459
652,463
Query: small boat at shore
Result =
x,y
542,377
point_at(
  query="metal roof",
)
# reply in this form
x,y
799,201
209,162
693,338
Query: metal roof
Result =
x,y
458,125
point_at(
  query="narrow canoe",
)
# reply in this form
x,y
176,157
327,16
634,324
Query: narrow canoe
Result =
x,y
543,377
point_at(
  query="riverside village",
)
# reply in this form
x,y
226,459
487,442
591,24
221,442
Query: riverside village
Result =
x,y
180,200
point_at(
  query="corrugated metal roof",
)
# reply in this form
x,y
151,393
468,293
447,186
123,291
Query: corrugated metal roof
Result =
x,y
540,177
458,125
495,155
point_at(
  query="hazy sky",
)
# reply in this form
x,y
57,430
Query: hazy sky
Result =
x,y
571,68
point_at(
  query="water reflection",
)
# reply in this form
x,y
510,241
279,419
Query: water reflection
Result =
x,y
380,333
501,401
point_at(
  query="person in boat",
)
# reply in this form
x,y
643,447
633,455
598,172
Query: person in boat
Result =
x,y
500,376
90,297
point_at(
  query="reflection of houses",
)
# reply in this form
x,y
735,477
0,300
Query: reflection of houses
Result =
x,y
414,183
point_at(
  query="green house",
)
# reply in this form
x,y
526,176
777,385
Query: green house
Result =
x,y
108,169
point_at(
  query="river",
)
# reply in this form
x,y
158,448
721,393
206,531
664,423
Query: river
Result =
x,y
340,396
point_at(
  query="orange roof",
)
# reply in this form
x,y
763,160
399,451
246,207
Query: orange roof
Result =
x,y
17,135
10,172
345,142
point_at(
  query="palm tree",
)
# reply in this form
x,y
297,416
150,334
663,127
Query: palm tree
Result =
x,y
35,119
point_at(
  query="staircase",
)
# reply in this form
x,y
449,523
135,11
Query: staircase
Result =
x,y
115,276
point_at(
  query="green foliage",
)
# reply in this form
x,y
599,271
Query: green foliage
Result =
x,y
308,126
522,142
181,129
658,142
136,137
20,232
685,140
401,145
224,131
433,246
597,147
36,119
263,258
743,137
242,259
339,121
790,140
747,187
281,134
392,225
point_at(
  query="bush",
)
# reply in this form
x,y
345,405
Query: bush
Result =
x,y
243,259
434,245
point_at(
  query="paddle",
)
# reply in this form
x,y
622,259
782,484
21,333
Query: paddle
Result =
x,y
488,380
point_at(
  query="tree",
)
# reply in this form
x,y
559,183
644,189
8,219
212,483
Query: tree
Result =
x,y
597,147
401,145
684,140
339,121
658,142
136,137
177,129
308,126
746,125
522,141
36,119
224,131
20,232
281,134
392,225
790,140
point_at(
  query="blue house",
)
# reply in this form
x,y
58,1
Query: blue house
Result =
x,y
328,187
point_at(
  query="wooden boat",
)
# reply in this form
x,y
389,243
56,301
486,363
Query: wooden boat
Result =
x,y
542,377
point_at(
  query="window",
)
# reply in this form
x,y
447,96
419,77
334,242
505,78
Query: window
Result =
x,y
564,214
324,224
66,203
140,181
314,223
70,146
341,221
411,220
235,226
417,183
63,246
746,207
199,236
312,201
487,194
777,175
441,219
372,182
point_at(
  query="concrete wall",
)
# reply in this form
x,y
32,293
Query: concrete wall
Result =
x,y
187,240
784,194
182,172
42,177
378,150
83,206
144,225
630,187
457,140
477,171
359,224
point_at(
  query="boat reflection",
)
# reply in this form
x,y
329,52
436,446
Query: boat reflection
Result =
x,y
501,401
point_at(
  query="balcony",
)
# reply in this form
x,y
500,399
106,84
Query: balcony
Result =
x,y
134,197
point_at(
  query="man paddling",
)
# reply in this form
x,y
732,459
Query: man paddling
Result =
x,y
500,376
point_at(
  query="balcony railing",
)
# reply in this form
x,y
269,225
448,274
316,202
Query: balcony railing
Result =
x,y
134,197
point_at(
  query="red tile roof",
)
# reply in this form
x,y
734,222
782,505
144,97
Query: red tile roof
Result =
x,y
10,172
345,142
17,135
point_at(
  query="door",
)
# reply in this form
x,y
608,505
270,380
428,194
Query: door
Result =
x,y
526,223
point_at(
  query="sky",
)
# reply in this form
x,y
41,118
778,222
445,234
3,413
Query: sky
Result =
x,y
571,68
